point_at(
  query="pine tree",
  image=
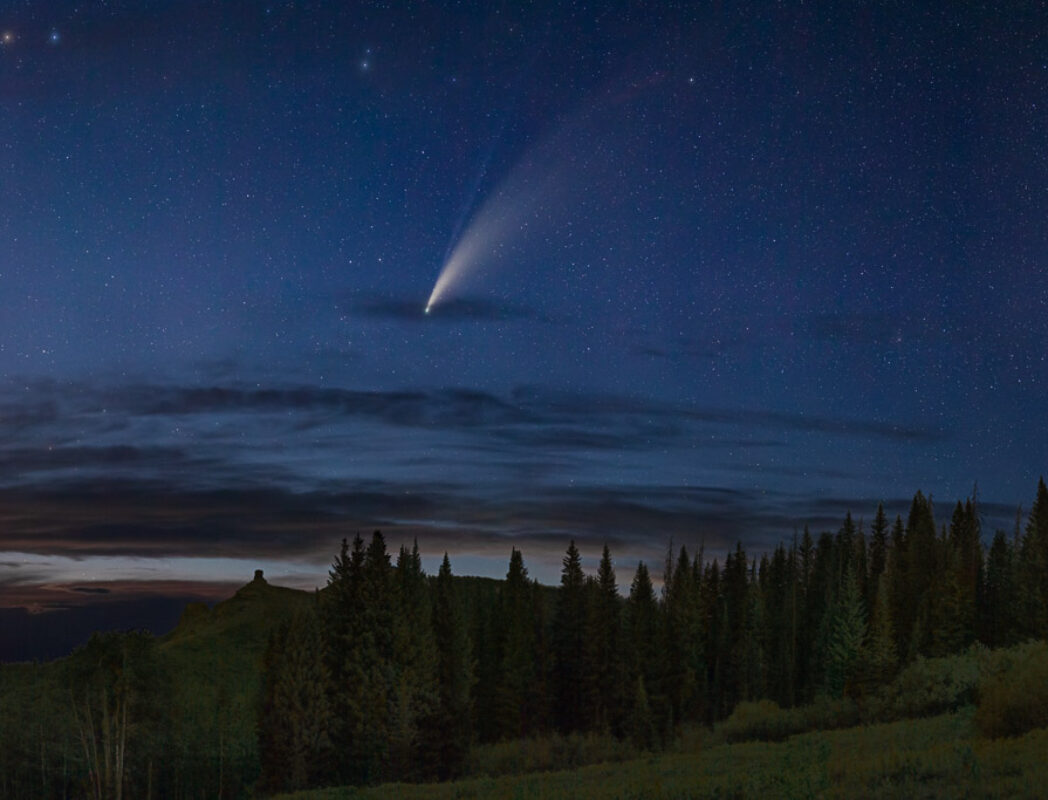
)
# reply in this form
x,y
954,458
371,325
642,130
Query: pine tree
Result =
x,y
844,546
923,563
515,703
822,591
948,629
847,631
604,669
806,624
346,642
861,563
879,655
878,550
643,626
750,646
295,717
415,666
641,722
717,635
1033,572
568,644
450,728
959,589
779,605
682,644
999,618
372,747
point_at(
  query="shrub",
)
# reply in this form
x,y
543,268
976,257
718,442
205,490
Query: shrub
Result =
x,y
546,753
1014,698
930,686
828,713
762,720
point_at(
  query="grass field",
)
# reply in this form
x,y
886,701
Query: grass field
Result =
x,y
939,757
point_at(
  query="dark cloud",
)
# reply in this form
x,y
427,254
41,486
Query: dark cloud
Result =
x,y
439,408
155,470
24,459
90,589
27,413
145,521
470,309
526,416
581,404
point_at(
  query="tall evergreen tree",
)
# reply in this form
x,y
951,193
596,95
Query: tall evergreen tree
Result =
x,y
751,646
682,645
779,603
516,705
605,694
346,642
738,628
643,626
450,728
844,546
295,717
640,721
822,591
923,554
999,623
372,744
949,630
806,624
569,644
878,550
958,594
878,653
1033,567
847,631
414,665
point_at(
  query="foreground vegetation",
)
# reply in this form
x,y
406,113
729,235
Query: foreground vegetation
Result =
x,y
937,757
379,683
990,742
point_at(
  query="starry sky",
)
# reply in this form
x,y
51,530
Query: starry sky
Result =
x,y
724,270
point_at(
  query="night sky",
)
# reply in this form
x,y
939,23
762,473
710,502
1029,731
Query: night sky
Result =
x,y
719,272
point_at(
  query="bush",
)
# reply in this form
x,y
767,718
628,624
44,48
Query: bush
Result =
x,y
829,713
762,720
930,686
1013,698
546,753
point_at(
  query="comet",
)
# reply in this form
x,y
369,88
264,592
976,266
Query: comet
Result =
x,y
519,206
558,183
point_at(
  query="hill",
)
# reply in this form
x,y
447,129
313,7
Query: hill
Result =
x,y
205,674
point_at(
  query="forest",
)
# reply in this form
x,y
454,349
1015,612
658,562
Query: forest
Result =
x,y
390,674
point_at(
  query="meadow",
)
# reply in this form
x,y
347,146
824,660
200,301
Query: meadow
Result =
x,y
937,757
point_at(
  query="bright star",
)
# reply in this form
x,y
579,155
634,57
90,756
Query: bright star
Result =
x,y
55,37
7,37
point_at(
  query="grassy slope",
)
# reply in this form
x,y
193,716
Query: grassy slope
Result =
x,y
925,758
213,663
216,655
215,658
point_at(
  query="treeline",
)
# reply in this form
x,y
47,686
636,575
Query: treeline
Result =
x,y
391,675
